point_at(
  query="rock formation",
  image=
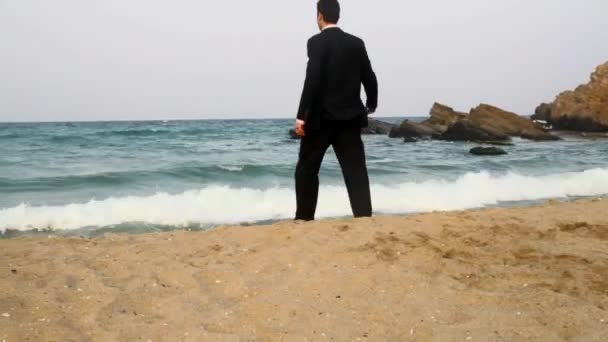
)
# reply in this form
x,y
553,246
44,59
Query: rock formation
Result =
x,y
494,119
585,108
542,112
441,118
484,123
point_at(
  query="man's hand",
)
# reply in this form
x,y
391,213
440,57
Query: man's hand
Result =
x,y
300,128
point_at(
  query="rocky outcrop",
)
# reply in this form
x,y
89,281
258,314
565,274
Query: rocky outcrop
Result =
x,y
494,119
377,127
487,151
585,108
483,123
441,118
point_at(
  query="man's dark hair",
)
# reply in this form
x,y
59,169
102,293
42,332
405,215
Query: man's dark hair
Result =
x,y
330,10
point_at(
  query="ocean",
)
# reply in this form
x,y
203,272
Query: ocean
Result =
x,y
94,177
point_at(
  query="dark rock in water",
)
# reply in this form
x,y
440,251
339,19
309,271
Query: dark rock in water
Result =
x,y
542,113
466,130
293,135
377,127
586,107
579,124
487,151
410,129
409,140
539,137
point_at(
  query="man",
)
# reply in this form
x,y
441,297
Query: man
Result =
x,y
331,113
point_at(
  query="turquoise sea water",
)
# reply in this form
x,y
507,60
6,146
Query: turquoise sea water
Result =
x,y
70,176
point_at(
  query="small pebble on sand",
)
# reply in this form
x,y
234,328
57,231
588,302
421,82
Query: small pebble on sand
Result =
x,y
6,314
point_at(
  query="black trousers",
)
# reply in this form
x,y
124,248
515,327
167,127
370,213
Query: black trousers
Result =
x,y
345,138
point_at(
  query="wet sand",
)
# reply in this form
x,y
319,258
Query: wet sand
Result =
x,y
520,274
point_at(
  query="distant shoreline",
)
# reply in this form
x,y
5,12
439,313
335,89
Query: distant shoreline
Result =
x,y
185,120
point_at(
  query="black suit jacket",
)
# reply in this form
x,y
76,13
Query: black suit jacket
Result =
x,y
337,66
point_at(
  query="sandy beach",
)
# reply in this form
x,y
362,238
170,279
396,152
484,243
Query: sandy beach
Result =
x,y
520,274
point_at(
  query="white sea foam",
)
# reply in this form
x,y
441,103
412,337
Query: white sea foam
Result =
x,y
219,204
231,168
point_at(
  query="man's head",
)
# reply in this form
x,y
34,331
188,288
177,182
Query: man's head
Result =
x,y
328,12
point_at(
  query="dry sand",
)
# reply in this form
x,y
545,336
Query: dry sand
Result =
x,y
523,274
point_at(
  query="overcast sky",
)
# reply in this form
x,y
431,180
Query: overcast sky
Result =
x,y
186,59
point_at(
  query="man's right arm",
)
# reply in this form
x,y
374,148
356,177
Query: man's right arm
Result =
x,y
313,80
370,82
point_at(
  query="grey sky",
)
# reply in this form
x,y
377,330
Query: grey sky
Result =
x,y
181,59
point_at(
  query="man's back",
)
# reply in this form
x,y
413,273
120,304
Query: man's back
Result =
x,y
338,65
331,113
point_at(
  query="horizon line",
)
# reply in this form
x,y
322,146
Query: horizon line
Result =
x,y
193,119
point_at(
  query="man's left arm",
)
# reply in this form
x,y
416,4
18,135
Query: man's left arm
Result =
x,y
370,82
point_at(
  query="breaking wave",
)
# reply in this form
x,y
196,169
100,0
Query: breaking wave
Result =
x,y
228,205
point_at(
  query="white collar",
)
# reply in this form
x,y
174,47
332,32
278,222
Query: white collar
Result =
x,y
329,26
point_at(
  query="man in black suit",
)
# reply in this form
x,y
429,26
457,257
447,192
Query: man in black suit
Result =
x,y
331,113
